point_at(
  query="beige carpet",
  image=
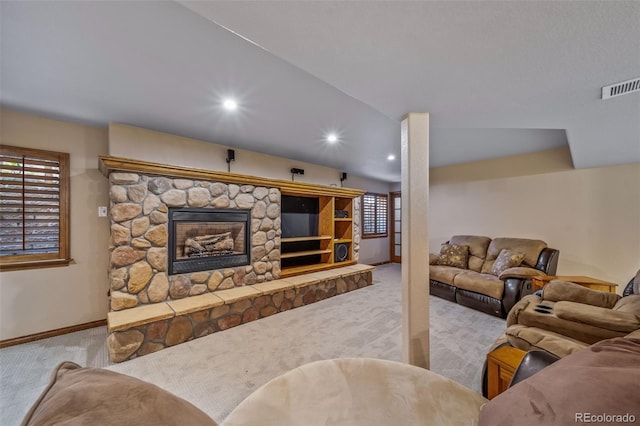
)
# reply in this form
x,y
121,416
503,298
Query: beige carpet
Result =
x,y
216,372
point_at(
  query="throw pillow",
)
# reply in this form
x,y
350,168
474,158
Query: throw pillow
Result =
x,y
93,396
454,255
506,259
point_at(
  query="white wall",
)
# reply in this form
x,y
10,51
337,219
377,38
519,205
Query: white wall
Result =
x,y
591,215
37,300
142,144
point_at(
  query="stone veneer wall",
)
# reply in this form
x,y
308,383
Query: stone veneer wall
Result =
x,y
356,228
138,210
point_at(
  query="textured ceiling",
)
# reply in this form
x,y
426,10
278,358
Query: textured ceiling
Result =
x,y
498,78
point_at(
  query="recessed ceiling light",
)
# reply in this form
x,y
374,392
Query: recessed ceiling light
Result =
x,y
230,104
391,157
332,138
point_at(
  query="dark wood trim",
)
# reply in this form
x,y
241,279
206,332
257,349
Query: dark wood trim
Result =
x,y
51,333
392,227
63,256
376,235
54,263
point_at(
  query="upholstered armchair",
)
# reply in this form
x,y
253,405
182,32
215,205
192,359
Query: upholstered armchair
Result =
x,y
567,317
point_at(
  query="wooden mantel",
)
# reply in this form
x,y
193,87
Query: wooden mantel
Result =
x,y
116,164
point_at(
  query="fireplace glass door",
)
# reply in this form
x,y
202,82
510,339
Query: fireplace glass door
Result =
x,y
207,239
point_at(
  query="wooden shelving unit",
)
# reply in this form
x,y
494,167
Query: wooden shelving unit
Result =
x,y
303,253
300,239
333,231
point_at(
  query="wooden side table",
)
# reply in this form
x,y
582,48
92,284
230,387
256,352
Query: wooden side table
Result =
x,y
593,283
501,364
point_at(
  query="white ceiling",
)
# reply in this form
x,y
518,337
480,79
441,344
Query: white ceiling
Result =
x,y
498,78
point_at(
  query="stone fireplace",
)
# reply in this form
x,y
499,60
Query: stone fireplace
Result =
x,y
193,252
143,270
204,239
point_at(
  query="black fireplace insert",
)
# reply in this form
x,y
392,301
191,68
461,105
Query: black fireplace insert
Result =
x,y
202,239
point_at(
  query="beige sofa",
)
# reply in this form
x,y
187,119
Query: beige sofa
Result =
x,y
481,279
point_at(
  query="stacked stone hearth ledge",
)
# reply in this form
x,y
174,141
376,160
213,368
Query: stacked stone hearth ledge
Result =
x,y
149,328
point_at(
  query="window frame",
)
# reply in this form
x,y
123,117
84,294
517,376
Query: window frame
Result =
x,y
377,233
62,256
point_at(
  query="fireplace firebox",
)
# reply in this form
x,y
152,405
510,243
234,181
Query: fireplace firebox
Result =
x,y
203,239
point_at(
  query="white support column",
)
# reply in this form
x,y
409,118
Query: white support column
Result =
x,y
415,241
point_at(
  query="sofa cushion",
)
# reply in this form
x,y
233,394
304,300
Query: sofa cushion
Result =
x,y
531,338
530,248
596,385
433,259
444,274
505,260
93,396
454,255
557,290
477,249
486,284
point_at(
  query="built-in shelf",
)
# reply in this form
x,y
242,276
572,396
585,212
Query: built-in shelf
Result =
x,y
342,240
299,239
333,232
303,253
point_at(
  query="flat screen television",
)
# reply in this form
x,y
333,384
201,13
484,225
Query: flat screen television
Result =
x,y
299,216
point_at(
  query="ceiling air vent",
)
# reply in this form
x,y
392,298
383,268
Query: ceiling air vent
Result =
x,y
623,88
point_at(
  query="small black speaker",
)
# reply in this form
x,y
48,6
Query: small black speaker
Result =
x,y
343,176
340,214
341,252
231,155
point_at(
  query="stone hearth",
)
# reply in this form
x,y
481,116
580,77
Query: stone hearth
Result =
x,y
147,329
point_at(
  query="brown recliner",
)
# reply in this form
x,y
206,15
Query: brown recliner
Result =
x,y
567,317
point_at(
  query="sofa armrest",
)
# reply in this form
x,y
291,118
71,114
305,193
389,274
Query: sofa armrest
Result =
x,y
520,272
517,283
513,291
532,362
548,261
558,291
512,317
596,316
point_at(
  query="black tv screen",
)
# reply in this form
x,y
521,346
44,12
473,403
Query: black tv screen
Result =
x,y
299,216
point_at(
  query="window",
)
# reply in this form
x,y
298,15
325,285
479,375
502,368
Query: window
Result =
x,y
375,208
34,208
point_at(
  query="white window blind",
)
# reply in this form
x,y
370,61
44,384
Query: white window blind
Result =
x,y
33,206
375,210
